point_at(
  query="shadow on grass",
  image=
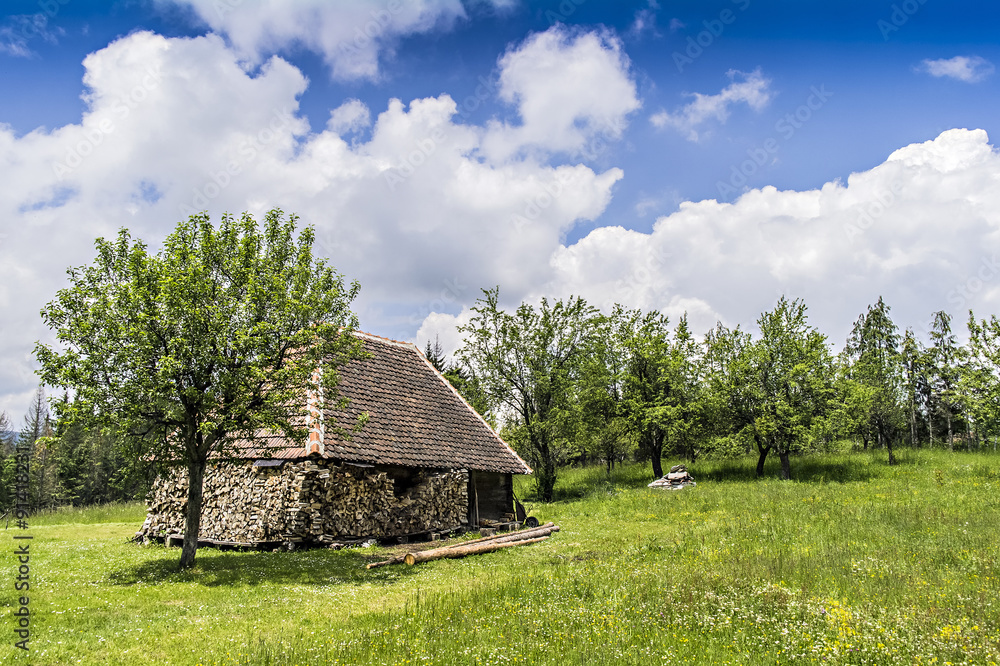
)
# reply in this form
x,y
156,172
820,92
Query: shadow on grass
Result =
x,y
214,568
806,469
575,483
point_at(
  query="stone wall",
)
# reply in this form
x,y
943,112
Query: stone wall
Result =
x,y
309,500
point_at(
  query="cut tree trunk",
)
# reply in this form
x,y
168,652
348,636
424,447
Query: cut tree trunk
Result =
x,y
462,551
544,530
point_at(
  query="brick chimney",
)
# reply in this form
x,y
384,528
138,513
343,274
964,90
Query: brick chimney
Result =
x,y
314,417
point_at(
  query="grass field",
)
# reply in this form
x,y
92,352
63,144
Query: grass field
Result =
x,y
854,562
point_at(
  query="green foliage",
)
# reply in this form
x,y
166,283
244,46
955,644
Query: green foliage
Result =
x,y
467,386
945,358
212,340
980,380
876,377
527,363
791,379
646,382
683,411
602,425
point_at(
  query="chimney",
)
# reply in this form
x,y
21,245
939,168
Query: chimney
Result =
x,y
314,417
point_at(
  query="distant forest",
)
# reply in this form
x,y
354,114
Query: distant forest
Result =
x,y
69,464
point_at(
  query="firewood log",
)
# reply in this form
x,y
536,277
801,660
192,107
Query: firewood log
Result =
x,y
462,551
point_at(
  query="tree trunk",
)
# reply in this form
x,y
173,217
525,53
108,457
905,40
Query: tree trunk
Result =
x,y
546,476
951,447
888,445
655,451
913,427
786,466
192,522
763,450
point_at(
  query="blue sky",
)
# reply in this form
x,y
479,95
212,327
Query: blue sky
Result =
x,y
549,148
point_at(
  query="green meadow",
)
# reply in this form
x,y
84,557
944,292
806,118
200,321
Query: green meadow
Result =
x,y
851,562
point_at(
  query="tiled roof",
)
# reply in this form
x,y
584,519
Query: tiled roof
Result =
x,y
415,417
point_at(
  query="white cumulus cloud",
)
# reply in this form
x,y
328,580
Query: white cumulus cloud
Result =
x,y
413,212
569,87
352,36
916,229
921,230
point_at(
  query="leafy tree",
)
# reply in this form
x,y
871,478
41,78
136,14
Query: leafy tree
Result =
x,y
683,414
792,378
980,381
471,389
914,374
527,363
7,438
945,356
468,387
91,467
872,351
645,343
212,340
731,397
599,396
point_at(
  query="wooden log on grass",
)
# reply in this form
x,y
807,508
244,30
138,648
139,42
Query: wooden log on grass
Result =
x,y
462,551
525,535
384,563
544,530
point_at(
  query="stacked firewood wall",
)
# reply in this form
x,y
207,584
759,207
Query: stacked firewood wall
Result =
x,y
309,500
355,502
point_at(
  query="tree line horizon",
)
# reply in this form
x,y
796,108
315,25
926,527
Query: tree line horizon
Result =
x,y
564,382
